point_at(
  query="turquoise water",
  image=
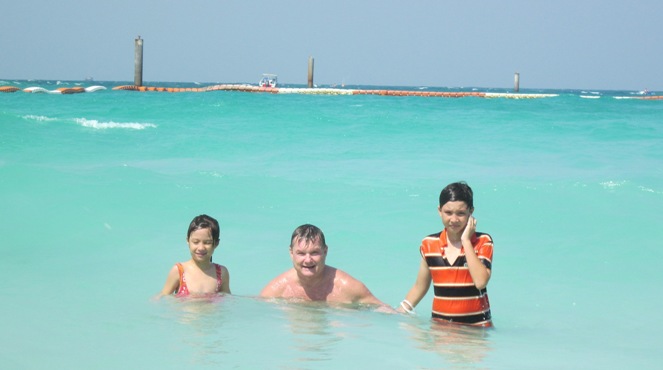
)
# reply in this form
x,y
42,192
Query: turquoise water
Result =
x,y
97,191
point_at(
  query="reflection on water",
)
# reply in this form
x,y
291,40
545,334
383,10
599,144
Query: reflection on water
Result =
x,y
293,334
196,311
458,344
250,332
316,331
201,322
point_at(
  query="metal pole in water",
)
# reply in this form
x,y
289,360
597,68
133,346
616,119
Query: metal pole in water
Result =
x,y
138,62
310,72
516,82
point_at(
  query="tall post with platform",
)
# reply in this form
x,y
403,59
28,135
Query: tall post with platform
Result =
x,y
138,62
310,72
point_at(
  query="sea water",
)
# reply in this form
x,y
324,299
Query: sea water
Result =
x,y
97,191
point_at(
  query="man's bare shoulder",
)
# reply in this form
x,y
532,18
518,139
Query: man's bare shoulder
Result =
x,y
349,284
353,289
345,278
278,285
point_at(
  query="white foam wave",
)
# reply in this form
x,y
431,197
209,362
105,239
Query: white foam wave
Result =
x,y
609,185
38,89
93,123
212,174
33,117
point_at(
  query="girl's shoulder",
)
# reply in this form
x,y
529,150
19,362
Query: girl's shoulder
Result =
x,y
183,267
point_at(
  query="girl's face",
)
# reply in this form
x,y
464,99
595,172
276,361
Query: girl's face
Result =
x,y
454,216
201,245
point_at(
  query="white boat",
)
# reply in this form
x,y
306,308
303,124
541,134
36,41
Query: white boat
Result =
x,y
268,80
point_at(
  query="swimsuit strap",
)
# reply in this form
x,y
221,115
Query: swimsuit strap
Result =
x,y
180,268
219,280
182,288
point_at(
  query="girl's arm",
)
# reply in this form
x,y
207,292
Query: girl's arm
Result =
x,y
225,277
172,283
480,273
419,289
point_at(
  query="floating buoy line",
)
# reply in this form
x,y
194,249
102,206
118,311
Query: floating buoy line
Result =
x,y
333,91
305,91
60,90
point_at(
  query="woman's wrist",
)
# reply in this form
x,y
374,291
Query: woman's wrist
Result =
x,y
407,306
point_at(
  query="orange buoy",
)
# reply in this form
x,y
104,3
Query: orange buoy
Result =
x,y
71,90
126,87
8,89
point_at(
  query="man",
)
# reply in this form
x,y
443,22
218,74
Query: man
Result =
x,y
311,279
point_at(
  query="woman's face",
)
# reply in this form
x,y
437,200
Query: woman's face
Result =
x,y
454,216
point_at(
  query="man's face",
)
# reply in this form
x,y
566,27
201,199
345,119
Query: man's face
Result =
x,y
308,258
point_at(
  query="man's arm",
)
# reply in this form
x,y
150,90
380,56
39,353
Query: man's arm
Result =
x,y
275,288
357,292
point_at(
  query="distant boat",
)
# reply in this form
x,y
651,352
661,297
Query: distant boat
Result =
x,y
268,80
88,79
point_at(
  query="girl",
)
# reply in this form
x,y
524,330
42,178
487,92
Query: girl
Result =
x,y
458,261
199,277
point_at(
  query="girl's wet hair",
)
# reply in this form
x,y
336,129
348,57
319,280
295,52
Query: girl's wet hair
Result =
x,y
204,222
457,192
310,234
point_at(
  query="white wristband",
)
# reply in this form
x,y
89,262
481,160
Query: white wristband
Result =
x,y
410,309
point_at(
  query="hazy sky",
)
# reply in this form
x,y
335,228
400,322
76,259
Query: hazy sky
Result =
x,y
584,44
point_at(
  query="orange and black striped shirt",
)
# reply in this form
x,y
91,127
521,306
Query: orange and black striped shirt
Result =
x,y
456,297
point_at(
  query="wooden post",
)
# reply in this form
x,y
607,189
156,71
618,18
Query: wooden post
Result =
x,y
310,72
138,62
516,82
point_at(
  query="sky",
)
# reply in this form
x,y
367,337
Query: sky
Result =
x,y
552,44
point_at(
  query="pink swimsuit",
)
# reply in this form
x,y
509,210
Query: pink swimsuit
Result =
x,y
183,290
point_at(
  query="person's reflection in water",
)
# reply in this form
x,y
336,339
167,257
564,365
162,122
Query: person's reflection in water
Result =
x,y
201,320
315,331
458,344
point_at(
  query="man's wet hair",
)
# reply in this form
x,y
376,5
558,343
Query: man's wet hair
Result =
x,y
308,233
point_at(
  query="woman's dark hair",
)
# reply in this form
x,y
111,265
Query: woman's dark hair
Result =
x,y
457,192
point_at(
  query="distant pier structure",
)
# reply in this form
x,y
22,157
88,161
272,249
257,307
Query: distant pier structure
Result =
x,y
138,61
310,72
